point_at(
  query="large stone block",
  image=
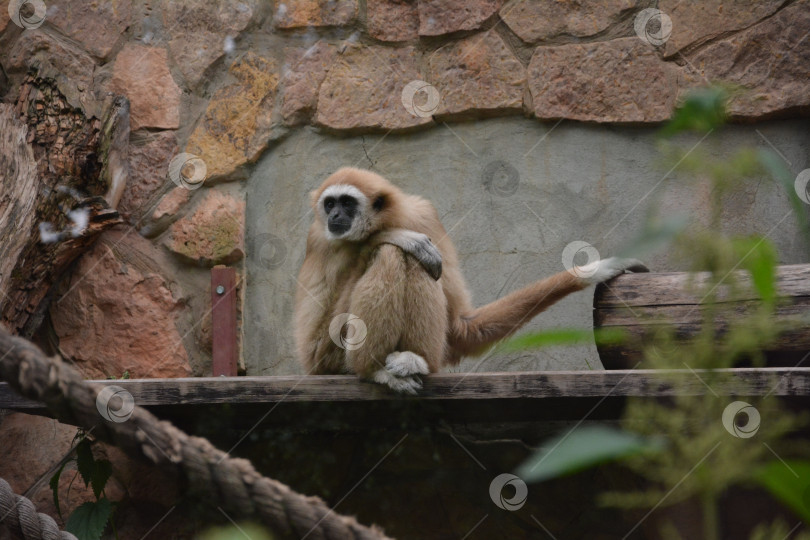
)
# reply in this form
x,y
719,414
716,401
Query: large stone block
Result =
x,y
622,80
118,314
303,13
97,26
238,123
198,28
477,75
540,20
142,74
305,70
437,17
694,23
364,90
392,20
148,172
769,61
213,233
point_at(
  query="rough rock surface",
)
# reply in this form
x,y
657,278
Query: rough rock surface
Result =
x,y
97,26
118,313
622,80
148,168
213,234
171,203
302,13
238,123
142,74
770,60
538,20
698,22
477,74
364,90
76,65
31,446
305,70
392,20
198,29
437,17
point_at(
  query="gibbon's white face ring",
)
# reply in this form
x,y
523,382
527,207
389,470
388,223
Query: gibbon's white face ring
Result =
x,y
358,230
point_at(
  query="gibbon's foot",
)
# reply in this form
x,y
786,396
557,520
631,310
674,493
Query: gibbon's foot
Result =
x,y
605,269
420,246
406,363
401,372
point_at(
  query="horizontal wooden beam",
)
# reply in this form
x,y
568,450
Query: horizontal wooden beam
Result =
x,y
456,386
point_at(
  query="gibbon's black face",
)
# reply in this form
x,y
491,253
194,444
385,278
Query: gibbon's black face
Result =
x,y
340,213
345,212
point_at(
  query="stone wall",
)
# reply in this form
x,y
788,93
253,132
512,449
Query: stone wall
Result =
x,y
264,100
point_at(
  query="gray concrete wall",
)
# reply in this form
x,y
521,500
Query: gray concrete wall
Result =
x,y
570,182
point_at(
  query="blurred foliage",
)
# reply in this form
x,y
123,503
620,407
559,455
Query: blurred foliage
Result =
x,y
702,458
584,447
236,532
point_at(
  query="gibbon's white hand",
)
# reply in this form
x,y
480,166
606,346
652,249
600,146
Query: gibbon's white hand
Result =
x,y
605,269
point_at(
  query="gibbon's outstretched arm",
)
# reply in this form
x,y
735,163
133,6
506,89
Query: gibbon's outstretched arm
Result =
x,y
473,331
381,294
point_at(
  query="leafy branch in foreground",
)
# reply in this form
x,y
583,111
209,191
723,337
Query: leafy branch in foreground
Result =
x,y
693,447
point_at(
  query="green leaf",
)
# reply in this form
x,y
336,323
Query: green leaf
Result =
x,y
581,448
101,473
54,483
704,109
84,460
563,336
789,482
759,257
89,520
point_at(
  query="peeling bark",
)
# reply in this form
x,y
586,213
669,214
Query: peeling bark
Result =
x,y
62,170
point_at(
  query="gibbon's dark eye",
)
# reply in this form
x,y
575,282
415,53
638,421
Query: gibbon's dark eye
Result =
x,y
328,204
379,202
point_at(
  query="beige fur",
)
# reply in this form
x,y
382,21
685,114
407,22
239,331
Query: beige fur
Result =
x,y
404,309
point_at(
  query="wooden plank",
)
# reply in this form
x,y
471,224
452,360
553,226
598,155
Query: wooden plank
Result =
x,y
678,288
456,386
223,321
641,304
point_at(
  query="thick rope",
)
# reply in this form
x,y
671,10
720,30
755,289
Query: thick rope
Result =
x,y
20,515
231,483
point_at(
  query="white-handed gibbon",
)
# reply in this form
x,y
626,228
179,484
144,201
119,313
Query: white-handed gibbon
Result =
x,y
369,254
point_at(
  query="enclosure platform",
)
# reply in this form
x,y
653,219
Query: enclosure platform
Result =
x,y
343,400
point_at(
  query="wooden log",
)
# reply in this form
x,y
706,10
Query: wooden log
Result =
x,y
644,304
63,167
